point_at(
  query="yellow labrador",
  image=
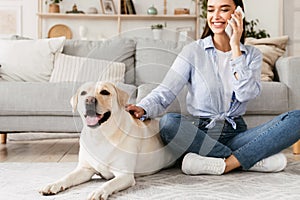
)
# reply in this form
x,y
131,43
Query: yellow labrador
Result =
x,y
113,144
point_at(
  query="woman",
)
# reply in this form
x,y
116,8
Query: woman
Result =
x,y
222,75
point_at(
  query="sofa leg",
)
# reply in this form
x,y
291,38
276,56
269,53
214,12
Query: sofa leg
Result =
x,y
296,147
3,137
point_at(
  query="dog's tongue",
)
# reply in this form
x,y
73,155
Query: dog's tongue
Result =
x,y
93,120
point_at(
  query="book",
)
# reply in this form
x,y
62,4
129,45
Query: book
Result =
x,y
123,7
130,7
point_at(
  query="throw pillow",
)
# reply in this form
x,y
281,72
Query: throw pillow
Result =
x,y
82,69
272,49
28,60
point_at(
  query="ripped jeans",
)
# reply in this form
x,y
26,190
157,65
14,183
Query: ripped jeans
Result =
x,y
183,134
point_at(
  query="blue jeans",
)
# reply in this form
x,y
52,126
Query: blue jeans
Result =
x,y
183,134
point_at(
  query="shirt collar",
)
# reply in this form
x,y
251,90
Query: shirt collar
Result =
x,y
208,44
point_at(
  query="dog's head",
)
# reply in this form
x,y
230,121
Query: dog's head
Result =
x,y
96,102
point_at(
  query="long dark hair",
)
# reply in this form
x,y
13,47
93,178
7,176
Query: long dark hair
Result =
x,y
207,31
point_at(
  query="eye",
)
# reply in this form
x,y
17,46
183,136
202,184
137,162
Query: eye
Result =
x,y
83,93
104,92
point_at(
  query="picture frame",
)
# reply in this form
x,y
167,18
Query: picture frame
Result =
x,y
108,7
10,20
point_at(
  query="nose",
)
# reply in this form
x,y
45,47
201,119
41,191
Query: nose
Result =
x,y
216,14
90,100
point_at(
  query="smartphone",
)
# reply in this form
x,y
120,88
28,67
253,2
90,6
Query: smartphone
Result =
x,y
228,28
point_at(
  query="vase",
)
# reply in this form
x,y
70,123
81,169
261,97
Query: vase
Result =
x,y
157,34
152,10
54,8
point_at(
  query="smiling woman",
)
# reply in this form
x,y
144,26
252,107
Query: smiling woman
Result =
x,y
222,75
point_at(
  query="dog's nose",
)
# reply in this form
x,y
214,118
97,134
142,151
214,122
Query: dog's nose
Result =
x,y
90,100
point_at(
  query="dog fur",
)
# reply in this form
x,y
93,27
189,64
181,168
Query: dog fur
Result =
x,y
113,144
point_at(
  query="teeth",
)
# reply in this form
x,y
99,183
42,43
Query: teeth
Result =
x,y
218,23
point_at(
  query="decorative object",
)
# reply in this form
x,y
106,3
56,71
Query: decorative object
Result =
x,y
165,7
181,11
152,10
92,10
10,20
83,32
60,30
251,32
108,7
183,33
157,31
53,6
75,10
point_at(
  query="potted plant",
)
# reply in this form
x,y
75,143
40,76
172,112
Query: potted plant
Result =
x,y
53,5
251,32
157,31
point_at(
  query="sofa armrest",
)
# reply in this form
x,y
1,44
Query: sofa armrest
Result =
x,y
288,69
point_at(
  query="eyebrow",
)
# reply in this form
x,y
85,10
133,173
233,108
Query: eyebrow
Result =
x,y
222,6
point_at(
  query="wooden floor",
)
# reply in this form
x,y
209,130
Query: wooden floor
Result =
x,y
50,150
57,150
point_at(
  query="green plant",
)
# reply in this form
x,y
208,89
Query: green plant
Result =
x,y
157,26
203,4
53,1
251,32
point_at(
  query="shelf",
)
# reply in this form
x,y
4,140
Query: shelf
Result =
x,y
73,16
136,17
121,22
159,17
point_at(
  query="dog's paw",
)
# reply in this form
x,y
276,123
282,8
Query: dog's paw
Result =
x,y
100,194
51,189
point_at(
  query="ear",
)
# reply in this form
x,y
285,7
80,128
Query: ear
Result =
x,y
74,102
122,97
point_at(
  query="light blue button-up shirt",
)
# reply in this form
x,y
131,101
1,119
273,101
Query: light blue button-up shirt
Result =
x,y
196,67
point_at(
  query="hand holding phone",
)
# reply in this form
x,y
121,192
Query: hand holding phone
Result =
x,y
228,28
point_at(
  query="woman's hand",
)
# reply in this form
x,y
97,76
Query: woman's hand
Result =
x,y
237,27
134,110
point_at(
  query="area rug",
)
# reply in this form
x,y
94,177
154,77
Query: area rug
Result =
x,y
22,181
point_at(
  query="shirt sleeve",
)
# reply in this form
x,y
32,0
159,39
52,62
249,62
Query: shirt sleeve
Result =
x,y
156,102
248,69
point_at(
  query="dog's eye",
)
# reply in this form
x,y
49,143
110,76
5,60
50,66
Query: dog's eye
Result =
x,y
104,92
83,93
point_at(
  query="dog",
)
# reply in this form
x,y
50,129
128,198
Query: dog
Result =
x,y
113,144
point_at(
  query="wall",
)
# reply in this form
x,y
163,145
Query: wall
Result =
x,y
255,9
269,14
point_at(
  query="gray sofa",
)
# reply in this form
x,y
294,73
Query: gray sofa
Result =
x,y
45,107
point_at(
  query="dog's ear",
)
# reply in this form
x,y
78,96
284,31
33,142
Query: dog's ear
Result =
x,y
74,102
122,97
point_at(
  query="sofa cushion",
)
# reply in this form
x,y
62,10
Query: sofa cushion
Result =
x,y
81,69
28,60
34,98
273,99
272,49
154,58
116,49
